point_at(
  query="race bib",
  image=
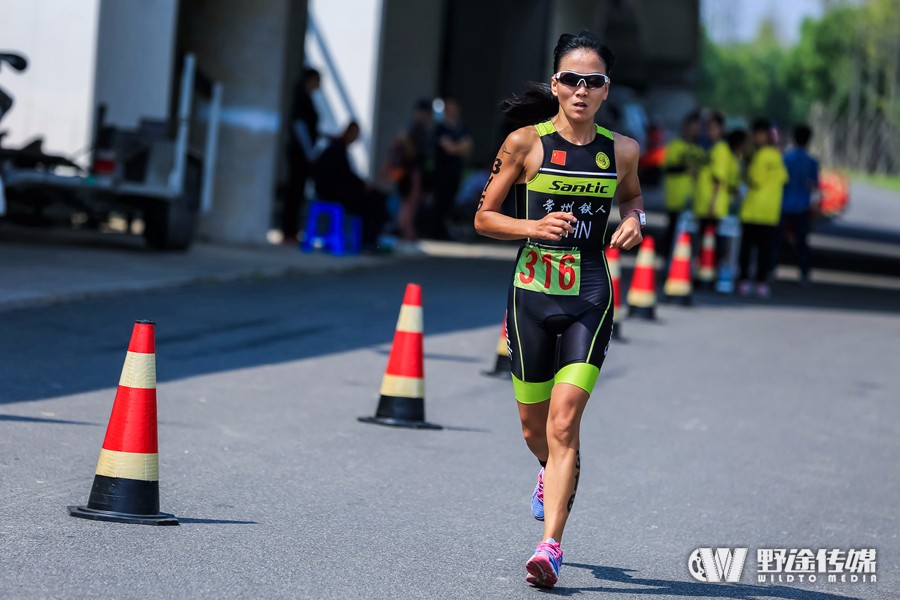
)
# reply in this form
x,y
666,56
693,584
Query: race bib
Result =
x,y
549,270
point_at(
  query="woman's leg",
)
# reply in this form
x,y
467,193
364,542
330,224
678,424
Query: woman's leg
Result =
x,y
566,406
534,428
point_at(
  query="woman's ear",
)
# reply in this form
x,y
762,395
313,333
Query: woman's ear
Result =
x,y
554,86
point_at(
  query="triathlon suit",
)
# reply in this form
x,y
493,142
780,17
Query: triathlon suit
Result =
x,y
560,307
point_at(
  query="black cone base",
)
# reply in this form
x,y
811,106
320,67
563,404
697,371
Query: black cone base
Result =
x,y
124,500
397,411
644,312
399,423
502,368
83,512
617,331
687,300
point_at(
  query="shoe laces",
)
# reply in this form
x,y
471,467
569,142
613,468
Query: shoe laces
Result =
x,y
540,486
551,547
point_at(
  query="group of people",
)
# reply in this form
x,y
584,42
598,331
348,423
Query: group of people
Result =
x,y
713,174
424,168
425,164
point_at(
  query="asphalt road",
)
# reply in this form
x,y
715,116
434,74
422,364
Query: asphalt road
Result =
x,y
729,424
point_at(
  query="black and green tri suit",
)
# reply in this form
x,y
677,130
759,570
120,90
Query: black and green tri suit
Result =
x,y
560,307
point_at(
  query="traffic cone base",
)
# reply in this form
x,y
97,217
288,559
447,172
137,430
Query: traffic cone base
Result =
x,y
503,365
644,312
126,481
402,402
400,411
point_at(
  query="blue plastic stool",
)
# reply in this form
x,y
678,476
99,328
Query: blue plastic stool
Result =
x,y
330,229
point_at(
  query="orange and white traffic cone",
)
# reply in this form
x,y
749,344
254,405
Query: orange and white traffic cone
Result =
x,y
642,293
126,483
503,365
678,285
706,275
615,276
402,402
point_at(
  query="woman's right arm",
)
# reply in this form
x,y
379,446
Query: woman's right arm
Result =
x,y
508,168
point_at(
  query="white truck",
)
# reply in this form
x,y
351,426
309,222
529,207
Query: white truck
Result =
x,y
162,169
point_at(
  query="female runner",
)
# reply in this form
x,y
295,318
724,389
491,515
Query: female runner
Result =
x,y
565,171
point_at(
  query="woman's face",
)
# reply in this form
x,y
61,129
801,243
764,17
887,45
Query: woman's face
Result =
x,y
581,103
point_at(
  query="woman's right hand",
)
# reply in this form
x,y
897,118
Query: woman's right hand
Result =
x,y
554,226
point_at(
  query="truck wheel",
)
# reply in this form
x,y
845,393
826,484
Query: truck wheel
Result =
x,y
171,225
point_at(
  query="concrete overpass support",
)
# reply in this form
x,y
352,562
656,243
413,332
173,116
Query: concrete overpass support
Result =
x,y
255,49
409,65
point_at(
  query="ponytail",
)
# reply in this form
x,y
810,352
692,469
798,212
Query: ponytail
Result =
x,y
537,104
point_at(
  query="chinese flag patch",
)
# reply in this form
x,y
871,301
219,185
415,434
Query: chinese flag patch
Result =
x,y
558,157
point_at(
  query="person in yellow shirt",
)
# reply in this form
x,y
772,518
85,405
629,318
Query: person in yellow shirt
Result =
x,y
714,187
684,157
761,210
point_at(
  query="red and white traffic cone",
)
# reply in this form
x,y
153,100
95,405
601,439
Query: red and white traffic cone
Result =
x,y
402,402
503,365
678,287
642,293
126,483
706,275
615,276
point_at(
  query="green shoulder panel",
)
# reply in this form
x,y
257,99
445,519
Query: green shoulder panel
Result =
x,y
606,132
545,128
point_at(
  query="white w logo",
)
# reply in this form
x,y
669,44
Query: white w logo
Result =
x,y
725,563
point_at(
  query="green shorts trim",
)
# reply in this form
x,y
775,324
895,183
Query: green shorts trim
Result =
x,y
532,393
583,375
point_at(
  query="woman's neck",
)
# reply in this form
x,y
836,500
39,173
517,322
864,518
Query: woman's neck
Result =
x,y
580,133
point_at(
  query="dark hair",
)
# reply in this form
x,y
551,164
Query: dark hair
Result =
x,y
761,124
691,117
538,103
736,139
310,73
802,135
718,117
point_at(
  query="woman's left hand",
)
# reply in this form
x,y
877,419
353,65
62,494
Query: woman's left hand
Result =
x,y
627,235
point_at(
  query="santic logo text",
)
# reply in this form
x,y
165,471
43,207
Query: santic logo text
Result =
x,y
723,564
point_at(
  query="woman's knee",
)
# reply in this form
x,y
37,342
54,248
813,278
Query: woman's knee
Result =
x,y
534,432
562,429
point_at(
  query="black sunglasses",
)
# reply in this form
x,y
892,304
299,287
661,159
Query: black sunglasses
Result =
x,y
591,81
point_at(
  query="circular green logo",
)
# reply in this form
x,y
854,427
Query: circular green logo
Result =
x,y
602,160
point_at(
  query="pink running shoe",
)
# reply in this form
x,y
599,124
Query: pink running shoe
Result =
x,y
543,567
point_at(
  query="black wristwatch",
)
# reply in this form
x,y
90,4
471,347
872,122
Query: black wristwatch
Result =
x,y
641,216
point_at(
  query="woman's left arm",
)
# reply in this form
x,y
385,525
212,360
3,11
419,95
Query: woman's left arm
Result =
x,y
628,194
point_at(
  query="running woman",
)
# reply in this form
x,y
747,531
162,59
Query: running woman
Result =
x,y
565,171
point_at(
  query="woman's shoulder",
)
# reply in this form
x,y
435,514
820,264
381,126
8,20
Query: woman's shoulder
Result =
x,y
522,139
626,147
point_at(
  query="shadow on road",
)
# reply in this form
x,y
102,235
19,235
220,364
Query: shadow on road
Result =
x,y
76,347
686,589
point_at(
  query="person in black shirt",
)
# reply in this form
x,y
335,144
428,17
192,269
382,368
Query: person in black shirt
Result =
x,y
302,139
453,145
336,181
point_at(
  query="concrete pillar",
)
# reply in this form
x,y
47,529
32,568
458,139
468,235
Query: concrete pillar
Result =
x,y
409,65
491,50
252,48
